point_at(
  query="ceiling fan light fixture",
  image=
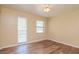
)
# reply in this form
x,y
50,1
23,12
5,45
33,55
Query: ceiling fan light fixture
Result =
x,y
47,9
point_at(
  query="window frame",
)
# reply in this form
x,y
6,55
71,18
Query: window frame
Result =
x,y
40,27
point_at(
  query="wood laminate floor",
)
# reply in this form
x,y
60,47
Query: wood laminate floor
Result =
x,y
42,47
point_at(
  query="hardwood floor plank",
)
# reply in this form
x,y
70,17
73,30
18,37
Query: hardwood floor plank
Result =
x,y
42,47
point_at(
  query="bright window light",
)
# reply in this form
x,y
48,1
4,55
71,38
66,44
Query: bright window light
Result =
x,y
39,26
22,29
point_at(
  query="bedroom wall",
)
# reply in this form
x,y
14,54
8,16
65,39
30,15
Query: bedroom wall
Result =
x,y
64,28
0,24
9,26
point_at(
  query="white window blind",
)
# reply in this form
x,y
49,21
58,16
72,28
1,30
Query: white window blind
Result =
x,y
39,26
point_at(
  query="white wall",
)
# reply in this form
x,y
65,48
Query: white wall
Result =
x,y
9,26
64,28
0,24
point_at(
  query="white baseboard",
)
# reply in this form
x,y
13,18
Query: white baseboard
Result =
x,y
18,44
35,41
66,43
8,46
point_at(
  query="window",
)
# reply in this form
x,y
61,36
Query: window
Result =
x,y
22,29
39,26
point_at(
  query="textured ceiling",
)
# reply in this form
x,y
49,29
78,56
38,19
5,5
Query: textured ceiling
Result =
x,y
37,8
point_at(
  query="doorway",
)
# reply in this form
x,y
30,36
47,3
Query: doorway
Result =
x,y
22,30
